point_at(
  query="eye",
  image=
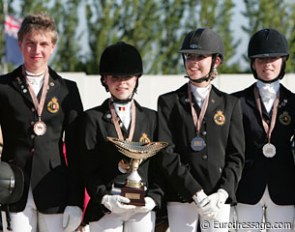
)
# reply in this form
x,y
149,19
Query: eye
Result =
x,y
189,56
195,57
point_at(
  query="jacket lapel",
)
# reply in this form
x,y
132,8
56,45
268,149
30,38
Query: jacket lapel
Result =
x,y
214,101
19,83
53,82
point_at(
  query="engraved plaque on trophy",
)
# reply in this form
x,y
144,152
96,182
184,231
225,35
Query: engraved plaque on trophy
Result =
x,y
134,188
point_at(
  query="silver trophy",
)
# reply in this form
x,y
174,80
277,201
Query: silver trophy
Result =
x,y
137,151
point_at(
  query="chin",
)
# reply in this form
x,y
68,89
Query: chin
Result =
x,y
122,98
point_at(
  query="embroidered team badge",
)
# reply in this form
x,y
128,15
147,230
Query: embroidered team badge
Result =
x,y
144,138
285,118
53,105
219,118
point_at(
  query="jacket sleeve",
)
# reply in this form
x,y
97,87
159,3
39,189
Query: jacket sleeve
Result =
x,y
94,183
235,152
74,108
169,162
155,189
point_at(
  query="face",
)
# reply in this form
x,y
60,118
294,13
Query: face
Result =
x,y
36,48
268,69
198,66
121,87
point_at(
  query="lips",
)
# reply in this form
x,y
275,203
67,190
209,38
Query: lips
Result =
x,y
267,70
36,58
121,89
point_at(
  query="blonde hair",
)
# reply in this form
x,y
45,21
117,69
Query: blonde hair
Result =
x,y
38,22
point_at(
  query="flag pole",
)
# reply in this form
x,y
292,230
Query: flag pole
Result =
x,y
5,12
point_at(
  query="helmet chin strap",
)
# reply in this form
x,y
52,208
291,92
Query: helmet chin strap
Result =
x,y
200,80
123,101
270,81
204,78
280,76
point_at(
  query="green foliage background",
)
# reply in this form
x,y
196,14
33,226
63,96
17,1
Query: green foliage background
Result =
x,y
155,27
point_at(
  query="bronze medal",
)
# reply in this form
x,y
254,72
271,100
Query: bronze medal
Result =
x,y
39,128
269,150
198,143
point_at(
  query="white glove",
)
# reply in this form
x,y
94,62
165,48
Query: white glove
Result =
x,y
200,198
117,204
72,218
149,205
216,201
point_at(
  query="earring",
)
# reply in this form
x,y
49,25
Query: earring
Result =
x,y
214,72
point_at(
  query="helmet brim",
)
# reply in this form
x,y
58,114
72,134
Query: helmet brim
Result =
x,y
266,55
196,51
19,184
12,183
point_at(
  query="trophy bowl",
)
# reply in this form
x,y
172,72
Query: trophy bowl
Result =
x,y
137,152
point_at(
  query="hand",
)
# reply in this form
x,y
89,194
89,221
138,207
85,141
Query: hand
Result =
x,y
72,218
200,198
117,204
149,205
216,201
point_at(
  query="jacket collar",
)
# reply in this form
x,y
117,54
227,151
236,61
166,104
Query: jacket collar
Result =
x,y
214,98
107,116
19,82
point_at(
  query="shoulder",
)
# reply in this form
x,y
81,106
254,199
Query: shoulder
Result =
x,y
175,93
9,77
244,92
97,110
286,91
229,99
68,83
144,109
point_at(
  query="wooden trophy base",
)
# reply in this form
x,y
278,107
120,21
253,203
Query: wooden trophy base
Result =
x,y
135,195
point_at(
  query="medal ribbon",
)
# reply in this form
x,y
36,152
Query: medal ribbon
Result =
x,y
198,121
267,128
115,119
39,105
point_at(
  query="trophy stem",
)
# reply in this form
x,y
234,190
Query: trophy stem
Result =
x,y
134,179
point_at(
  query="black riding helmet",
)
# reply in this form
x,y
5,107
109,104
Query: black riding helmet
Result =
x,y
120,59
203,41
265,43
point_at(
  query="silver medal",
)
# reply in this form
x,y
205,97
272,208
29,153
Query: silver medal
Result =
x,y
269,150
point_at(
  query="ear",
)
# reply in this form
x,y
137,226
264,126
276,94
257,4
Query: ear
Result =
x,y
253,65
52,48
217,62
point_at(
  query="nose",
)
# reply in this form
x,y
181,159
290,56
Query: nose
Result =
x,y
121,79
36,48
